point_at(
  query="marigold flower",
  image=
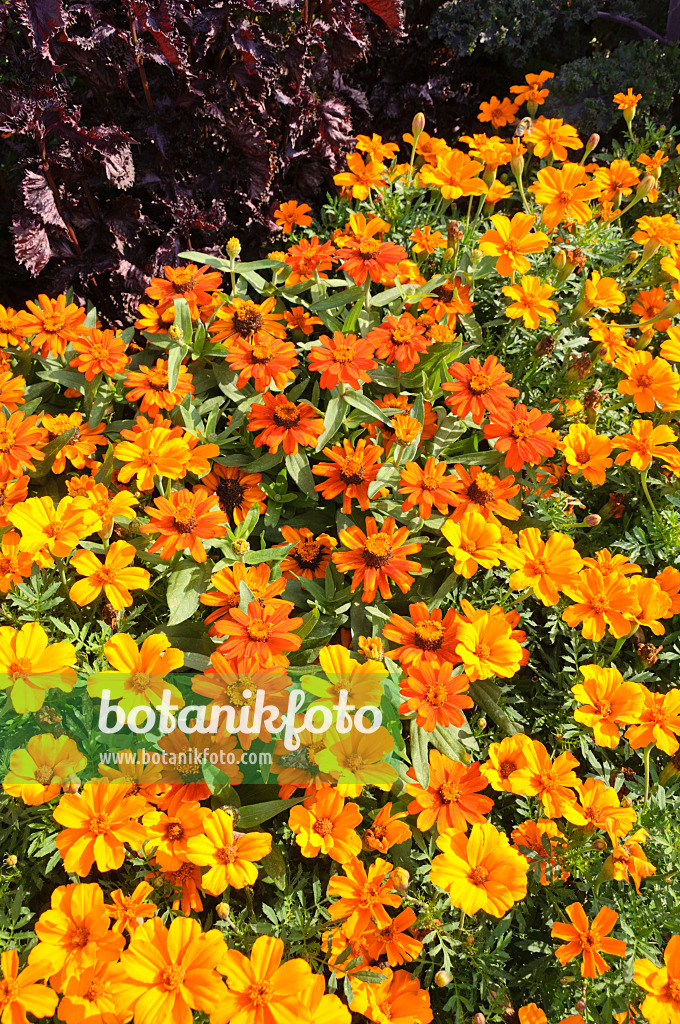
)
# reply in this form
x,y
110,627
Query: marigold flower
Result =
x,y
363,895
522,433
427,240
99,352
601,602
531,302
511,240
36,771
648,303
497,192
498,112
658,722
343,358
587,452
649,379
19,992
606,702
628,860
545,566
98,822
351,472
480,871
292,214
643,444
150,453
473,542
427,146
29,666
492,151
51,324
669,581
530,835
429,636
398,999
552,781
377,556
435,695
262,634
115,576
387,830
611,339
532,92
20,442
662,1004
587,939
230,859
484,493
550,136
479,388
598,806
324,824
426,487
375,146
486,645
664,230
263,989
564,193
139,676
126,911
504,759
362,176
455,174
151,385
603,293
452,799
167,835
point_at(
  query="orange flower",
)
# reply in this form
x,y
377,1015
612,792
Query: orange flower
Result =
x,y
645,443
599,807
455,175
52,324
377,556
310,555
36,772
323,824
29,666
245,320
167,836
606,702
452,799
351,471
283,422
262,360
477,389
394,944
98,822
262,990
611,339
10,327
648,304
227,584
480,871
497,192
498,112
387,830
262,634
564,193
603,293
230,859
114,576
493,151
511,241
427,146
398,999
308,257
649,379
387,435
292,214
530,835
552,781
484,493
426,487
473,542
20,994
20,443
588,939
435,695
486,645
663,230
150,453
627,100
298,319
13,491
531,92
366,256
587,452
504,759
399,340
669,581
601,601
545,566
126,911
427,637
658,722
616,181
99,352
550,136
662,1004
192,283
531,302
81,447
11,390
427,240
363,895
522,433
237,492
151,385
628,861
183,520
235,684
155,319
378,149
361,177
343,358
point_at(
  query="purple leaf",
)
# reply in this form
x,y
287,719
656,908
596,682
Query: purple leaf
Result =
x,y
391,12
43,19
31,244
40,201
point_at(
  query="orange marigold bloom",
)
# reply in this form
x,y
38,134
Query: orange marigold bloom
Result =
x,y
599,807
658,722
522,433
98,822
452,799
167,835
237,492
195,284
262,990
310,555
151,385
601,601
628,860
550,136
292,214
486,644
564,193
183,519
649,379
351,471
429,636
20,442
52,324
498,112
455,174
473,541
376,557
361,177
511,240
398,999
126,910
363,895
427,240
584,939
647,304
663,230
378,149
99,352
393,943
645,443
36,772
480,871
587,452
426,487
545,566
477,389
484,493
616,181
611,339
531,302
366,256
435,695
262,634
552,781
399,340
308,257
344,358
427,146
19,992
230,859
504,759
603,293
662,1004
627,100
387,830
324,824
532,92
115,576
492,151
530,835
669,581
606,702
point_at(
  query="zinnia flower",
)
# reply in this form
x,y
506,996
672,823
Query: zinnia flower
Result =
x,y
399,340
183,519
344,359
284,423
262,634
477,389
152,386
522,433
52,324
351,471
377,556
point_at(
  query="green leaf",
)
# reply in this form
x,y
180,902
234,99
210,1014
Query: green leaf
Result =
x,y
481,696
50,452
268,555
225,265
245,596
244,529
339,299
365,405
419,742
298,467
349,326
471,327
275,866
387,476
184,589
332,421
256,814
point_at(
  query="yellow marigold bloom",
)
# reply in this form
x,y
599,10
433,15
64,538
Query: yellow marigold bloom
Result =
x,y
29,666
552,781
564,193
115,576
649,379
644,443
598,806
616,181
603,293
48,532
36,771
473,541
486,646
97,824
545,566
498,112
19,991
504,759
532,92
455,175
606,702
324,824
493,151
481,871
139,676
601,602
230,859
531,302
587,452
361,177
550,136
511,241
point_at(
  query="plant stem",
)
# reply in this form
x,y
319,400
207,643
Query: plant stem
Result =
x,y
645,488
647,755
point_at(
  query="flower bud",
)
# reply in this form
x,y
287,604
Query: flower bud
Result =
x,y
371,647
646,337
593,519
233,248
482,723
175,332
470,940
70,783
600,844
478,1018
418,125
223,911
517,165
592,143
240,547
442,979
233,813
476,257
645,186
448,255
670,310
11,860
632,257
399,878
580,1006
651,247
559,259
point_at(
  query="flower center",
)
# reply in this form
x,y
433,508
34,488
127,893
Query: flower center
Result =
x,y
539,567
183,280
174,831
79,936
522,429
482,651
563,197
343,354
7,439
259,993
598,603
157,379
102,577
19,668
603,707
481,489
323,827
184,519
506,768
377,832
53,322
247,319
644,380
368,248
44,774
229,495
478,875
100,824
429,636
401,335
436,695
377,550
308,554
674,989
449,793
172,977
261,352
352,470
480,383
259,631
226,854
95,991
286,414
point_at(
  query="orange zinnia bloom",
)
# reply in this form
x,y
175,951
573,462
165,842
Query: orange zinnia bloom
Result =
x,y
262,634
244,320
606,702
98,822
481,871
284,423
429,636
511,240
11,390
19,992
230,860
192,283
366,256
426,487
399,340
363,895
455,175
99,352
484,493
351,471
115,576
344,359
262,990
532,302
81,447
183,520
545,566
477,389
10,327
645,443
564,194
150,453
292,214
587,939
552,781
20,443
587,452
658,722
504,759
310,555
52,324
649,379
435,695
362,176
151,385
662,1004
308,257
387,830
262,360
522,433
452,799
473,541
227,584
324,824
601,601
236,491
376,557
298,319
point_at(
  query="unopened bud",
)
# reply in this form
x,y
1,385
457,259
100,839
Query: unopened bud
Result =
x,y
454,232
626,801
670,310
517,165
559,259
651,247
593,519
470,940
442,979
482,723
223,911
478,1018
645,186
70,784
476,257
448,254
592,143
233,813
233,248
175,332
240,547
418,124
11,860
645,339
580,1006
399,878
633,256
600,844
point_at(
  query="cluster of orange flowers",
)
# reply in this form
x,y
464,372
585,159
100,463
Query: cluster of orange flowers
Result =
x,y
365,416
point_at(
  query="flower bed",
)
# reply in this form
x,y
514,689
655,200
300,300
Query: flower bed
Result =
x,y
410,483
